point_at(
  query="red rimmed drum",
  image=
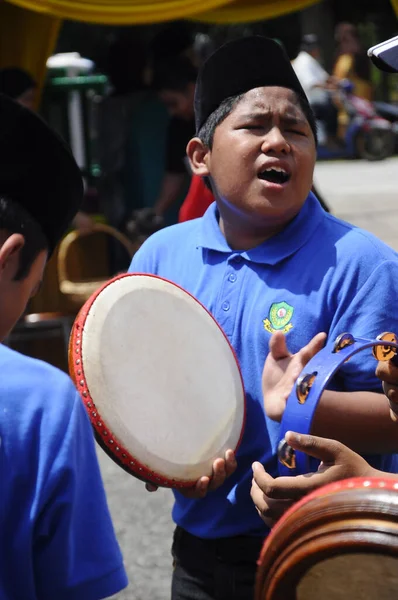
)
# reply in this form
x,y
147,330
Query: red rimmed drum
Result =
x,y
338,543
159,379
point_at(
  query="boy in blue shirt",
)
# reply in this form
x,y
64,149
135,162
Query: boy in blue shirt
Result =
x,y
271,496
56,536
266,257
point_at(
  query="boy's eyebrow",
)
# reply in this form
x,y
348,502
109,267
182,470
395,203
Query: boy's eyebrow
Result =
x,y
294,120
259,114
265,114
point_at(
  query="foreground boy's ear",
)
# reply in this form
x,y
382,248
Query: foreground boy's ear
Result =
x,y
199,157
10,252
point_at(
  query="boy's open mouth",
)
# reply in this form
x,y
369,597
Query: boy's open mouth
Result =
x,y
275,175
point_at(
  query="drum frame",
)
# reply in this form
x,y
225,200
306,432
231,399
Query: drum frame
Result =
x,y
352,516
103,434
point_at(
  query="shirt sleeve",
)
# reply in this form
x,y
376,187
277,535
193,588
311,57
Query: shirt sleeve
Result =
x,y
369,313
76,554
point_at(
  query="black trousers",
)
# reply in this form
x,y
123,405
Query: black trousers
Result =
x,y
221,569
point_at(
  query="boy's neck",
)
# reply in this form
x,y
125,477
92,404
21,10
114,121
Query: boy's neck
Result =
x,y
245,238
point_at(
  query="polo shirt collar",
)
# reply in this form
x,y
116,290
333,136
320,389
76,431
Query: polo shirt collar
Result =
x,y
273,250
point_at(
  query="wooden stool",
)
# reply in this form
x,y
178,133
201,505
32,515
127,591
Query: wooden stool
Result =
x,y
338,543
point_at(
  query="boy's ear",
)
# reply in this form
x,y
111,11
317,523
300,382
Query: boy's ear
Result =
x,y
10,252
199,157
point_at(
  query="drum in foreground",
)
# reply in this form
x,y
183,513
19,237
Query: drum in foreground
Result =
x,y
305,395
159,380
338,543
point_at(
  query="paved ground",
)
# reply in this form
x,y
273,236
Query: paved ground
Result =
x,y
144,530
363,193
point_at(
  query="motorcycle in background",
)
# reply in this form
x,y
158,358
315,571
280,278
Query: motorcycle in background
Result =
x,y
390,113
368,134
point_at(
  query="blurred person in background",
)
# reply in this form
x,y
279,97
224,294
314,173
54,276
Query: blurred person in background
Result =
x,y
132,126
351,60
125,69
175,81
318,86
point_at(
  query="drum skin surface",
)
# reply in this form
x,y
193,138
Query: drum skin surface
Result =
x,y
338,543
159,380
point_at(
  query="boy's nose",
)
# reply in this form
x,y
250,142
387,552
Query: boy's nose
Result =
x,y
274,140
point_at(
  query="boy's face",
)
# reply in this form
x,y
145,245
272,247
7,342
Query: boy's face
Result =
x,y
179,104
262,160
15,295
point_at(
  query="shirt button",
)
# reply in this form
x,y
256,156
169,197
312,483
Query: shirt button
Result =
x,y
232,277
225,306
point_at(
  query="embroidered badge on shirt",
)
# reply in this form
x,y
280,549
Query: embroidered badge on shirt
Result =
x,y
279,317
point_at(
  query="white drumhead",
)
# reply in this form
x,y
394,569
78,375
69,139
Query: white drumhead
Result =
x,y
162,375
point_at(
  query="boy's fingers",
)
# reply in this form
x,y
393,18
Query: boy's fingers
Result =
x,y
219,474
230,462
387,372
261,477
282,488
313,347
323,449
277,346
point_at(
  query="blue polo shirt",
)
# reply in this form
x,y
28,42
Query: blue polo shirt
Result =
x,y
318,274
56,536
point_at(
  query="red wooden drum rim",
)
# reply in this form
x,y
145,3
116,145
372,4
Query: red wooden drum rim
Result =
x,y
307,531
104,435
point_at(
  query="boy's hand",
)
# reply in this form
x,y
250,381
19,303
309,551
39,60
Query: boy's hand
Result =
x,y
222,468
281,370
273,497
388,373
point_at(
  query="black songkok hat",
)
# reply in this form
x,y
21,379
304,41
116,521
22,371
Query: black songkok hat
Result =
x,y
240,66
38,170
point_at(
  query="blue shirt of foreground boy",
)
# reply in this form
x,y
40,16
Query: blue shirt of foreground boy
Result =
x,y
56,536
318,274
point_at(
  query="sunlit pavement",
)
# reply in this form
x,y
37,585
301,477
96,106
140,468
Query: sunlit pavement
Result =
x,y
364,193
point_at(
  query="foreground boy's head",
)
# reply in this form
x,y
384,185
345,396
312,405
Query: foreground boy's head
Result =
x,y
255,135
40,192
